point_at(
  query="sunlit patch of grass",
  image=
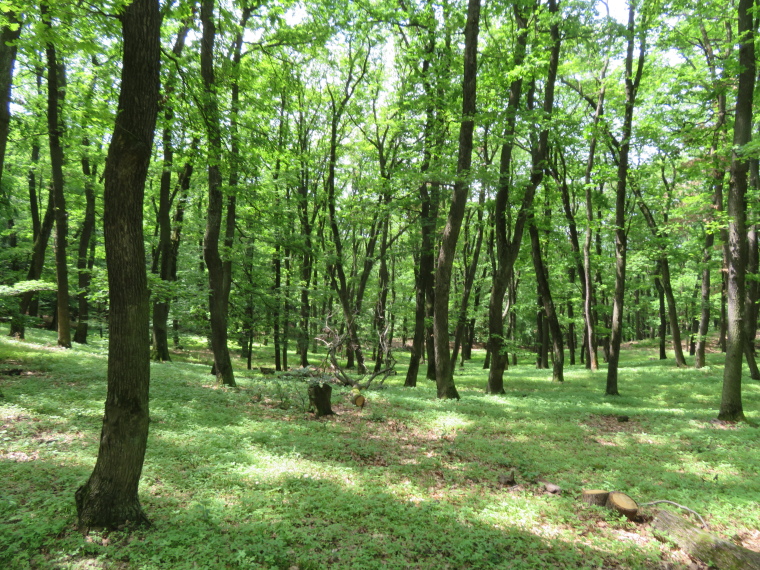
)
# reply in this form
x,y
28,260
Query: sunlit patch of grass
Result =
x,y
247,478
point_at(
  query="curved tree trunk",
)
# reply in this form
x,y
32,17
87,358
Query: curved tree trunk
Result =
x,y
218,300
109,497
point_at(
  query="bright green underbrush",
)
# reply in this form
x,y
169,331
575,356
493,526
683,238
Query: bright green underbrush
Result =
x,y
248,478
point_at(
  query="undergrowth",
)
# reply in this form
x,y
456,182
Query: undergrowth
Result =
x,y
248,478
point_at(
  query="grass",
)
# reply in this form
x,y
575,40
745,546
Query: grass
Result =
x,y
247,478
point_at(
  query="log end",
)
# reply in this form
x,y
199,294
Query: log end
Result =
x,y
623,504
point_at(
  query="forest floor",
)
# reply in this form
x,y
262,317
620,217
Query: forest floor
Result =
x,y
248,478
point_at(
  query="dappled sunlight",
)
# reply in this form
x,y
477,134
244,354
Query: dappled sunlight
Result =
x,y
401,473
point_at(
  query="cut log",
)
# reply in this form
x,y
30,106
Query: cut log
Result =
x,y
595,497
358,400
319,399
623,504
704,546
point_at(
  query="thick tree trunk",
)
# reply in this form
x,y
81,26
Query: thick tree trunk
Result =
x,y
56,92
217,280
109,498
700,544
735,249
8,49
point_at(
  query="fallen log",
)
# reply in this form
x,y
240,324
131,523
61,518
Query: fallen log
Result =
x,y
358,400
704,546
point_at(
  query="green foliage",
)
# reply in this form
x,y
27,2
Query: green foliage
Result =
x,y
247,478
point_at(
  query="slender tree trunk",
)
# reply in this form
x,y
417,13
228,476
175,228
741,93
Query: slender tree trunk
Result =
x,y
735,249
621,239
85,241
42,230
551,321
109,497
161,299
506,250
469,279
663,328
217,280
56,92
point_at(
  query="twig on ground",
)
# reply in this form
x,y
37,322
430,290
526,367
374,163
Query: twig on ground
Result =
x,y
696,514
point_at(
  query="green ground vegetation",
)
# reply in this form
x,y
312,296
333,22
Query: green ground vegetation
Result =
x,y
248,478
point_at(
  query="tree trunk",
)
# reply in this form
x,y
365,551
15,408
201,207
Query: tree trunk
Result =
x,y
444,374
621,239
8,49
469,279
86,240
56,92
700,544
552,322
161,298
735,249
217,280
109,498
506,249
663,328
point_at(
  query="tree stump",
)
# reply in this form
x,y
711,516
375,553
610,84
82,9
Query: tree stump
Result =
x,y
319,399
704,546
595,497
623,504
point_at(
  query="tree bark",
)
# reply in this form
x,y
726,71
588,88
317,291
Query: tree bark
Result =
x,y
217,280
86,238
161,298
444,374
621,238
109,498
8,49
735,249
552,322
56,92
506,249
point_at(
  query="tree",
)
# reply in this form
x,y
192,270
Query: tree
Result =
x,y
735,249
444,372
56,90
109,497
218,273
621,239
